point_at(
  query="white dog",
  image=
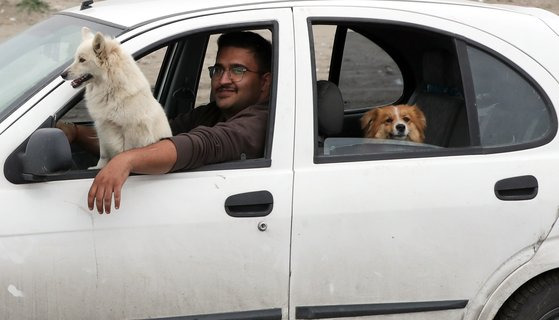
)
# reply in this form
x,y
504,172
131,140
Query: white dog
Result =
x,y
118,96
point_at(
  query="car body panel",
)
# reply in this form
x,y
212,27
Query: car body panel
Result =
x,y
178,247
544,260
421,207
369,232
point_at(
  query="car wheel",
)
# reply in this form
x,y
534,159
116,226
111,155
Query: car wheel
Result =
x,y
536,300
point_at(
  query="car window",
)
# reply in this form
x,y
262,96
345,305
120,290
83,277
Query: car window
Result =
x,y
364,63
368,76
53,42
323,36
150,65
203,93
178,75
505,109
510,110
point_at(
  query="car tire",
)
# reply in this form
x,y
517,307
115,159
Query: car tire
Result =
x,y
535,300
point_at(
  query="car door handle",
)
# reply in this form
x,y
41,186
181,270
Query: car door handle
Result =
x,y
249,204
517,188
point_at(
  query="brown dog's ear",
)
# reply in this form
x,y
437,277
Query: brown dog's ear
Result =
x,y
367,121
99,46
422,122
421,116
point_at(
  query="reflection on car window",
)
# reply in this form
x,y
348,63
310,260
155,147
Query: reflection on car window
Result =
x,y
368,75
53,42
510,110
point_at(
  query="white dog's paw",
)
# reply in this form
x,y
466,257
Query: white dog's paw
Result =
x,y
102,162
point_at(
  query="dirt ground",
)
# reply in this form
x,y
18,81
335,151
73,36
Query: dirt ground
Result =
x,y
14,20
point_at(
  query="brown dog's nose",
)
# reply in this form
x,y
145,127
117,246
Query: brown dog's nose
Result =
x,y
400,127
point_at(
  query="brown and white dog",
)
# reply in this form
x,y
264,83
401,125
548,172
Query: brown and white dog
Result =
x,y
403,122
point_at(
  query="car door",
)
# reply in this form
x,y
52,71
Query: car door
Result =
x,y
172,249
420,234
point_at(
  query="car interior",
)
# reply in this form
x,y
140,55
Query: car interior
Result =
x,y
425,63
177,71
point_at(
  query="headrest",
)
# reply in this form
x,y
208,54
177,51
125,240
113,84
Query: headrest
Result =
x,y
330,108
440,72
434,67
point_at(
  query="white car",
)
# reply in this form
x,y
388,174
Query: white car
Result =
x,y
327,224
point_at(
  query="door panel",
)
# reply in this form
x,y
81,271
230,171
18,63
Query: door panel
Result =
x,y
171,249
385,236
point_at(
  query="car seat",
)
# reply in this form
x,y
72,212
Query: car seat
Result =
x,y
330,110
440,97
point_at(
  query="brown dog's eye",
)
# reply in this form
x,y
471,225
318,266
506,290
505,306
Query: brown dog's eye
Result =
x,y
406,119
81,60
388,120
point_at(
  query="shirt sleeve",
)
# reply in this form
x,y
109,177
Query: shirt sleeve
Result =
x,y
240,137
203,115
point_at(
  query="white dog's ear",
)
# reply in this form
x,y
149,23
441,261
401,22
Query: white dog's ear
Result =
x,y
86,33
99,45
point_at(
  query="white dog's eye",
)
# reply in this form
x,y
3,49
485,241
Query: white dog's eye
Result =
x,y
81,60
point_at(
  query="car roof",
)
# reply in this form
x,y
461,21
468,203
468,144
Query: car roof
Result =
x,y
145,11
136,16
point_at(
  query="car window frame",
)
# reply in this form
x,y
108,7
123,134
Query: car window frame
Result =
x,y
460,46
12,168
266,160
338,49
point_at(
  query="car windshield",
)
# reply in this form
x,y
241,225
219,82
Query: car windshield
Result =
x,y
34,57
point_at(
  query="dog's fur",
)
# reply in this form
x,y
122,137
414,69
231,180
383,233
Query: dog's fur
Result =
x,y
403,122
118,96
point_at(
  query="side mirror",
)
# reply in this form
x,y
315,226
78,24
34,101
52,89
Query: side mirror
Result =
x,y
47,154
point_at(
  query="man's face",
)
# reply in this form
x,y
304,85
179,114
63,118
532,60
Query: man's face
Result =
x,y
232,96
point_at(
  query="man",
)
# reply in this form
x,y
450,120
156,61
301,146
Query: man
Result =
x,y
232,127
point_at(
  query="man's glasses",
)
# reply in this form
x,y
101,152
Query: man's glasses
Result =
x,y
235,73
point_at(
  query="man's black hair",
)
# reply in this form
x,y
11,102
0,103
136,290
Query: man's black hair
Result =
x,y
254,42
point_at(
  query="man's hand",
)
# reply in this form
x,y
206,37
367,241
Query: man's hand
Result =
x,y
69,129
157,158
84,136
109,181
